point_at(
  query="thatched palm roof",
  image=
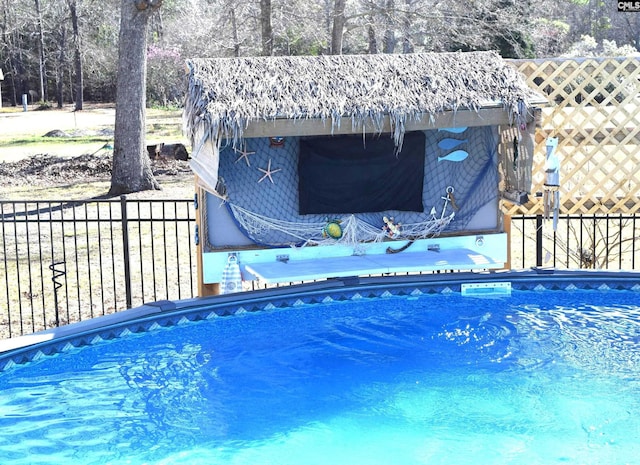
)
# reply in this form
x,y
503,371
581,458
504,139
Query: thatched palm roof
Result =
x,y
228,94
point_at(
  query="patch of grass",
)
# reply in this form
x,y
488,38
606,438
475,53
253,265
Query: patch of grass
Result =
x,y
41,140
164,123
76,191
157,131
9,109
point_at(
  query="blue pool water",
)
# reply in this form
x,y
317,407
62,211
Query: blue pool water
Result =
x,y
532,378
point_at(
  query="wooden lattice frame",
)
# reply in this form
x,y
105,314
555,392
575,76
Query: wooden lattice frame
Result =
x,y
595,112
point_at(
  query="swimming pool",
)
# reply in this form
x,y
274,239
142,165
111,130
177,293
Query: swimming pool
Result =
x,y
372,371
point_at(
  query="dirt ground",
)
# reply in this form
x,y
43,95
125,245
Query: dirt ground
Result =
x,y
76,169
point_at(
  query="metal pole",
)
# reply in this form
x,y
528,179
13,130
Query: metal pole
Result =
x,y
538,240
125,247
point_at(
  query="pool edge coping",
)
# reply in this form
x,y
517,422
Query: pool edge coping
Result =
x,y
24,349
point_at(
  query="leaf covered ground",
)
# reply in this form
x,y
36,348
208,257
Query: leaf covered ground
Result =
x,y
50,170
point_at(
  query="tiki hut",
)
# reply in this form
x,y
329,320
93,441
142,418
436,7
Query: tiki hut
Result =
x,y
330,166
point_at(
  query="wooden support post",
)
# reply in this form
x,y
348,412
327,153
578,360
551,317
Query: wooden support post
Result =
x,y
507,228
204,289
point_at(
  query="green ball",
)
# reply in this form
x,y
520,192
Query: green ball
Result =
x,y
333,230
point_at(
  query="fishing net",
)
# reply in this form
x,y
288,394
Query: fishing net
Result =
x,y
260,180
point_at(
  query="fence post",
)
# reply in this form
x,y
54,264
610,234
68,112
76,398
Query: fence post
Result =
x,y
539,240
125,248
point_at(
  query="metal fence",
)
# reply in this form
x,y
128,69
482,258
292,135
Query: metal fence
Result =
x,y
608,242
67,261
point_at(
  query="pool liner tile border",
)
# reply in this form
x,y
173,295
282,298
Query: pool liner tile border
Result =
x,y
165,314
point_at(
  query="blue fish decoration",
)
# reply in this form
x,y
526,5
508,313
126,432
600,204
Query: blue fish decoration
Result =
x,y
457,155
448,144
454,130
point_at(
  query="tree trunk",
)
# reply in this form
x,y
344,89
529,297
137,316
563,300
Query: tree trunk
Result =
x,y
389,37
371,39
21,75
338,27
267,31
234,32
8,43
407,45
632,30
77,57
41,59
131,165
62,47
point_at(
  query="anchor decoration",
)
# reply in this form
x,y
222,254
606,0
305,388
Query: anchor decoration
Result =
x,y
551,197
448,198
393,230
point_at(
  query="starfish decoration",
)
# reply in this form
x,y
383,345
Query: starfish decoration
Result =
x,y
243,154
268,172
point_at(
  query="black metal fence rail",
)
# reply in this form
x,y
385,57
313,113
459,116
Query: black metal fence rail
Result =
x,y
69,261
62,262
606,242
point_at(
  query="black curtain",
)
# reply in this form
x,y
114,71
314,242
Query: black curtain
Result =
x,y
350,174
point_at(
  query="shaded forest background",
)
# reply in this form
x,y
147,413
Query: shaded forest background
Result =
x,y
64,51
